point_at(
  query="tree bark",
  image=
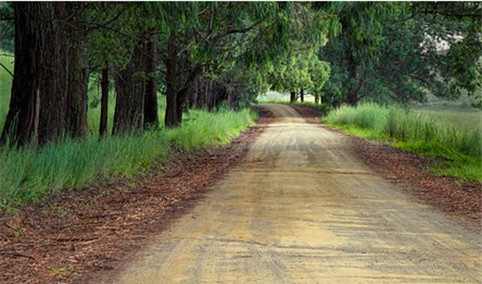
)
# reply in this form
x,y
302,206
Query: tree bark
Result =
x,y
352,94
38,102
302,95
233,101
130,90
317,97
178,85
104,101
171,117
292,96
151,117
78,74
211,96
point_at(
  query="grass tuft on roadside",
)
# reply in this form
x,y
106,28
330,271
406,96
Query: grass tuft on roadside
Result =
x,y
456,150
203,129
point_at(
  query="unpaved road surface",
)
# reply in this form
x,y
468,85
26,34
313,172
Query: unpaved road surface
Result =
x,y
303,209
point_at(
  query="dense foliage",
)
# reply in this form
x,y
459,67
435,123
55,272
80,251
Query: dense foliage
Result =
x,y
223,54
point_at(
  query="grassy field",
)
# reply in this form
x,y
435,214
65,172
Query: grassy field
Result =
x,y
454,135
456,118
29,174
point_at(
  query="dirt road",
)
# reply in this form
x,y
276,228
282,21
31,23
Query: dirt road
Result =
x,y
303,209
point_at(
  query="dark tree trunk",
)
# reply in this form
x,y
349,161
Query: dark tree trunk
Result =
x,y
179,107
211,95
38,102
104,101
77,96
292,96
233,101
200,96
78,74
171,118
178,85
352,94
130,91
317,97
302,95
206,94
151,117
191,99
325,100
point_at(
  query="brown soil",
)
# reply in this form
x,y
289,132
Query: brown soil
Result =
x,y
462,201
311,115
76,234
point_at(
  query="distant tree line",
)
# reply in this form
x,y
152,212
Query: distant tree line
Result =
x,y
208,54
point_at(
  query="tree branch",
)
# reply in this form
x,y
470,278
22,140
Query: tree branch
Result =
x,y
239,31
104,25
189,82
6,69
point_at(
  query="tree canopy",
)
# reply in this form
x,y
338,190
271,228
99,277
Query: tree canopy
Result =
x,y
212,54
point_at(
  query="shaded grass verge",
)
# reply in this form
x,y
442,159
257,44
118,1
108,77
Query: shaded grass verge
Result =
x,y
453,151
30,175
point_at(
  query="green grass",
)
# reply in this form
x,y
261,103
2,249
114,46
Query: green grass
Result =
x,y
29,175
210,129
456,144
461,119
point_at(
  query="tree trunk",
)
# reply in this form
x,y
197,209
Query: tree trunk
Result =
x,y
233,101
292,96
171,118
38,102
130,90
78,74
302,95
352,94
211,95
104,101
151,117
206,94
178,85
317,97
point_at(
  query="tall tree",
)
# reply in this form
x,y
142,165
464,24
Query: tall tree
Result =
x,y
39,92
130,89
356,46
401,52
104,104
114,31
458,25
309,31
198,36
78,72
151,117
